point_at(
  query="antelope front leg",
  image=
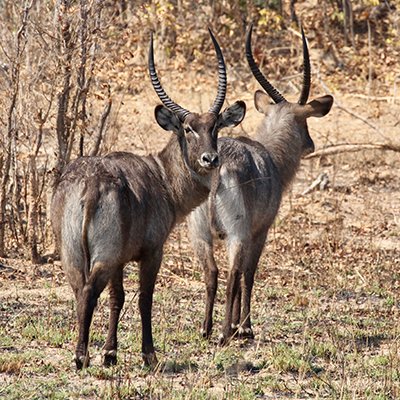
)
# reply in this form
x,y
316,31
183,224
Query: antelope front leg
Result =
x,y
204,252
117,298
231,292
211,277
250,265
245,330
149,266
237,302
236,255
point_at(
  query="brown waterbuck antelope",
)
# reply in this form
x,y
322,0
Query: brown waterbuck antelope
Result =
x,y
107,211
246,195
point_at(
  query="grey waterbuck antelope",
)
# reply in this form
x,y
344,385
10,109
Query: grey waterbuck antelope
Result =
x,y
246,196
107,211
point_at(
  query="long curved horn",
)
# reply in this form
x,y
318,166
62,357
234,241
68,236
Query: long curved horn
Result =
x,y
272,92
305,91
219,100
181,112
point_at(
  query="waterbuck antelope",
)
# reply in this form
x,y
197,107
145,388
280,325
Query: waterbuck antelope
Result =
x,y
107,211
246,195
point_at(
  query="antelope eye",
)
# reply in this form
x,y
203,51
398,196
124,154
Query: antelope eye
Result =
x,y
189,129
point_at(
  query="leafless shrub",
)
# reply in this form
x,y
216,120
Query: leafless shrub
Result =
x,y
48,58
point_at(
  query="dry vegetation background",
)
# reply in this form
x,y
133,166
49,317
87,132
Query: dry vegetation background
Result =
x,y
326,302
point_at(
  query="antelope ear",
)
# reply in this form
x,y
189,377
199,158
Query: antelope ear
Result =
x,y
262,102
319,107
168,120
232,115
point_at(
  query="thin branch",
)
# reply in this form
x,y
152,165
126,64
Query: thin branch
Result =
x,y
63,123
352,148
93,47
369,58
389,99
103,120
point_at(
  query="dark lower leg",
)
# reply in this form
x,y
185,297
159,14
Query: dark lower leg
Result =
x,y
86,305
85,313
231,293
117,298
250,266
148,272
245,330
236,258
211,281
236,309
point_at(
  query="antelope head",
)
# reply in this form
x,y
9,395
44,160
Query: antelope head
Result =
x,y
197,133
294,114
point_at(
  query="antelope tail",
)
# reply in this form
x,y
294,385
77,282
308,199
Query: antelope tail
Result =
x,y
88,210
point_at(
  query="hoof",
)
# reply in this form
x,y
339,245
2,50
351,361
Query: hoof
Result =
x,y
205,334
81,362
223,340
227,335
245,333
150,360
234,332
110,358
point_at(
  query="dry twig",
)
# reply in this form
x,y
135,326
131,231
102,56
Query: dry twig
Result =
x,y
352,148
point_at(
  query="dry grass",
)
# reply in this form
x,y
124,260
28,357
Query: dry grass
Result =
x,y
326,299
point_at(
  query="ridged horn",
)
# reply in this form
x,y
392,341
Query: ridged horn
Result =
x,y
181,112
272,92
219,100
305,90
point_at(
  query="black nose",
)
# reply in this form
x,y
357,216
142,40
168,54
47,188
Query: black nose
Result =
x,y
209,160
